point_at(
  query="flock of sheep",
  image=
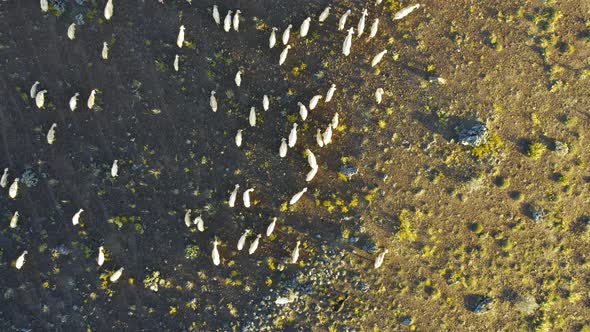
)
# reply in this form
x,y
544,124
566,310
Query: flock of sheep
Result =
x,y
323,138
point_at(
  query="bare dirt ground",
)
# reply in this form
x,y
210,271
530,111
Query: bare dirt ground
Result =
x,y
488,236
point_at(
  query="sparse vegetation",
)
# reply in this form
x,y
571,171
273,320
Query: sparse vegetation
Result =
x,y
191,252
536,149
472,172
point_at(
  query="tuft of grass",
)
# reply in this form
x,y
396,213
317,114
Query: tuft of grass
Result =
x,y
502,182
284,206
492,146
476,227
329,206
406,231
342,177
160,65
190,44
536,149
191,252
296,71
516,195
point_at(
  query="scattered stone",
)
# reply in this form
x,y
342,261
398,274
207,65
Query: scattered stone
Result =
x,y
483,305
438,80
353,239
79,19
304,288
315,308
368,244
474,183
407,320
360,286
59,6
475,135
63,250
317,279
8,294
349,170
538,214
337,307
406,144
29,178
561,148
526,304
78,11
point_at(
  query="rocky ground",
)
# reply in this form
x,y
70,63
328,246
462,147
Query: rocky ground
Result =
x,y
472,172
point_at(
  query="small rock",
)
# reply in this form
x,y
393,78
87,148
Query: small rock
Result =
x,y
538,214
561,148
526,304
475,135
63,250
315,307
482,305
349,170
79,19
438,80
58,5
305,288
9,294
407,320
368,244
361,286
28,178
